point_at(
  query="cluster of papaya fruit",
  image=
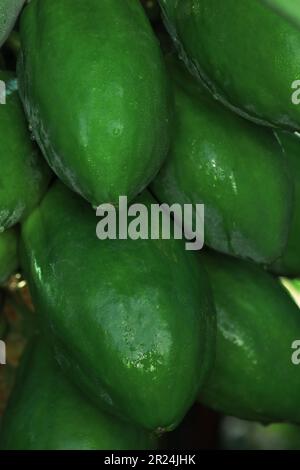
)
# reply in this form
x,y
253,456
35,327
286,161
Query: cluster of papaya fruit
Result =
x,y
133,332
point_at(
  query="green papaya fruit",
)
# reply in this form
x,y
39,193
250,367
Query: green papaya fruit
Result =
x,y
46,412
9,11
95,90
289,9
254,377
235,168
138,328
24,175
237,434
244,52
9,259
289,263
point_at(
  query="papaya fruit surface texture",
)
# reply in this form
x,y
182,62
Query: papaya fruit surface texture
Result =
x,y
9,11
9,259
244,52
46,412
234,167
289,9
289,263
138,326
95,90
24,175
254,377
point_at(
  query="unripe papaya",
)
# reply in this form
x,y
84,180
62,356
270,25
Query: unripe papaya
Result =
x,y
289,263
9,11
234,167
255,376
46,412
251,67
24,175
138,326
95,90
289,9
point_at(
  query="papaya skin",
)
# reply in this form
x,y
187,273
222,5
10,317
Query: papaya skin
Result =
x,y
9,11
9,259
235,168
286,8
289,263
143,306
257,322
250,69
46,412
101,116
24,175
